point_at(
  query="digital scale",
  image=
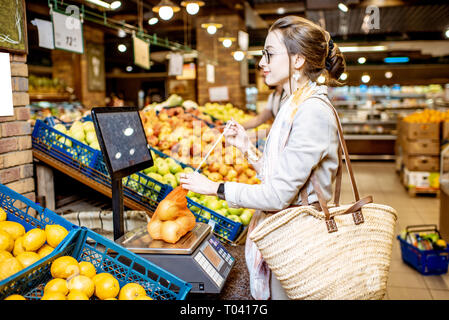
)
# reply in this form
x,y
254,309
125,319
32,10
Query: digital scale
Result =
x,y
198,257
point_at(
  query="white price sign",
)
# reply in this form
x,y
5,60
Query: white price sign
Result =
x,y
68,32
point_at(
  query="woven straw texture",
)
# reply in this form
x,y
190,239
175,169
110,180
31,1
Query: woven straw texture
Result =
x,y
310,263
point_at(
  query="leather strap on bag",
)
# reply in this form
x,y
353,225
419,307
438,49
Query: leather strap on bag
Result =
x,y
355,209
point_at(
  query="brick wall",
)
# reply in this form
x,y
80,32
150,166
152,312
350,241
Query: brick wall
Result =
x,y
227,72
16,158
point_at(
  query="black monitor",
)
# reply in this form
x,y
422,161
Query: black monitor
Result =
x,y
125,150
122,140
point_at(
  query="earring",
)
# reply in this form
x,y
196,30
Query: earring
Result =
x,y
296,75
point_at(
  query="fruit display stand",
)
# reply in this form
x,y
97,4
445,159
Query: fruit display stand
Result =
x,y
86,164
30,215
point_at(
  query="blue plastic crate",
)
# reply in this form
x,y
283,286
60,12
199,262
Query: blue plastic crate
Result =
x,y
19,209
426,262
222,226
123,264
69,151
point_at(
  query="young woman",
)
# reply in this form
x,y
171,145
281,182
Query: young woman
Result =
x,y
303,137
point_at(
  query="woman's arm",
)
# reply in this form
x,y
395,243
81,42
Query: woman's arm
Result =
x,y
307,145
261,118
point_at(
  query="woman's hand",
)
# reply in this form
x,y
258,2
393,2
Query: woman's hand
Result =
x,y
236,136
198,183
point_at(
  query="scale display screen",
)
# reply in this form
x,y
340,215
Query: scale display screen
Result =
x,y
212,256
122,139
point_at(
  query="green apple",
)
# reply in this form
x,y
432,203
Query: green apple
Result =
x,y
77,134
195,209
88,126
175,168
245,217
150,169
170,161
223,212
224,204
156,176
188,170
91,137
194,199
235,218
205,214
235,211
65,141
214,204
163,169
60,127
178,177
192,194
171,180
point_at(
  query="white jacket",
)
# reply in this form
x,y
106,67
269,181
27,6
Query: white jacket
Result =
x,y
312,143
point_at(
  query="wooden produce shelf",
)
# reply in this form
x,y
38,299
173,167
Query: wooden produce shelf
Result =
x,y
35,96
75,174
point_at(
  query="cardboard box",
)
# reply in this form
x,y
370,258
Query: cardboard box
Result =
x,y
422,163
413,131
421,147
421,179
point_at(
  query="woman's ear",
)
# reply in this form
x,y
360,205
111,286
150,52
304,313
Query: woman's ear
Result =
x,y
298,61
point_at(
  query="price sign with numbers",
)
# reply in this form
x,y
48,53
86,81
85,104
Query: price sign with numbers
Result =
x,y
68,32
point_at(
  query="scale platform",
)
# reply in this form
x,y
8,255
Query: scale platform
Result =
x,y
198,257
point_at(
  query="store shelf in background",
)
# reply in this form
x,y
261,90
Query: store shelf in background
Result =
x,y
34,96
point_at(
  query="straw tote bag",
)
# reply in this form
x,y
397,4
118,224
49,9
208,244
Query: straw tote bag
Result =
x,y
338,252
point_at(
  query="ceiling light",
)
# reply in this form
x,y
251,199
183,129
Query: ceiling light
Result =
x,y
121,47
211,27
192,6
100,3
361,60
280,10
116,5
153,21
396,59
343,7
366,78
121,33
446,34
227,41
238,55
388,74
362,48
166,9
129,68
321,79
343,76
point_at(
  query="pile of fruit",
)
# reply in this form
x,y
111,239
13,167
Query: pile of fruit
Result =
x,y
424,240
83,132
166,171
225,112
428,116
73,280
20,249
219,206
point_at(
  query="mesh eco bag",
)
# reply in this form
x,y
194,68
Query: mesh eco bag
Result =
x,y
342,252
172,219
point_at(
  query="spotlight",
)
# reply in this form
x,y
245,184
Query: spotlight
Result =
x,y
366,78
361,60
121,47
344,76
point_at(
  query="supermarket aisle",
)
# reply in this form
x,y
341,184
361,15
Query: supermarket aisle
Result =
x,y
380,180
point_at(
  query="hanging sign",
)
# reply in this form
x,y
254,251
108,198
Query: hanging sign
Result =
x,y
210,73
219,94
141,53
175,64
6,108
243,39
45,33
68,32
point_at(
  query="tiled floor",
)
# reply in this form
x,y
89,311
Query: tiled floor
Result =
x,y
380,180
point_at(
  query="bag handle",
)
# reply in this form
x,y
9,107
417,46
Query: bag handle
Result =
x,y
355,209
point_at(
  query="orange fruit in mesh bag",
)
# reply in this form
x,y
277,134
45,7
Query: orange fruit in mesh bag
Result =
x,y
172,219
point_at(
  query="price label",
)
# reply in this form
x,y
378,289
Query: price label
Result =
x,y
141,53
68,32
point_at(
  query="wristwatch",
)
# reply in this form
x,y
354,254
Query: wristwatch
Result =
x,y
221,191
